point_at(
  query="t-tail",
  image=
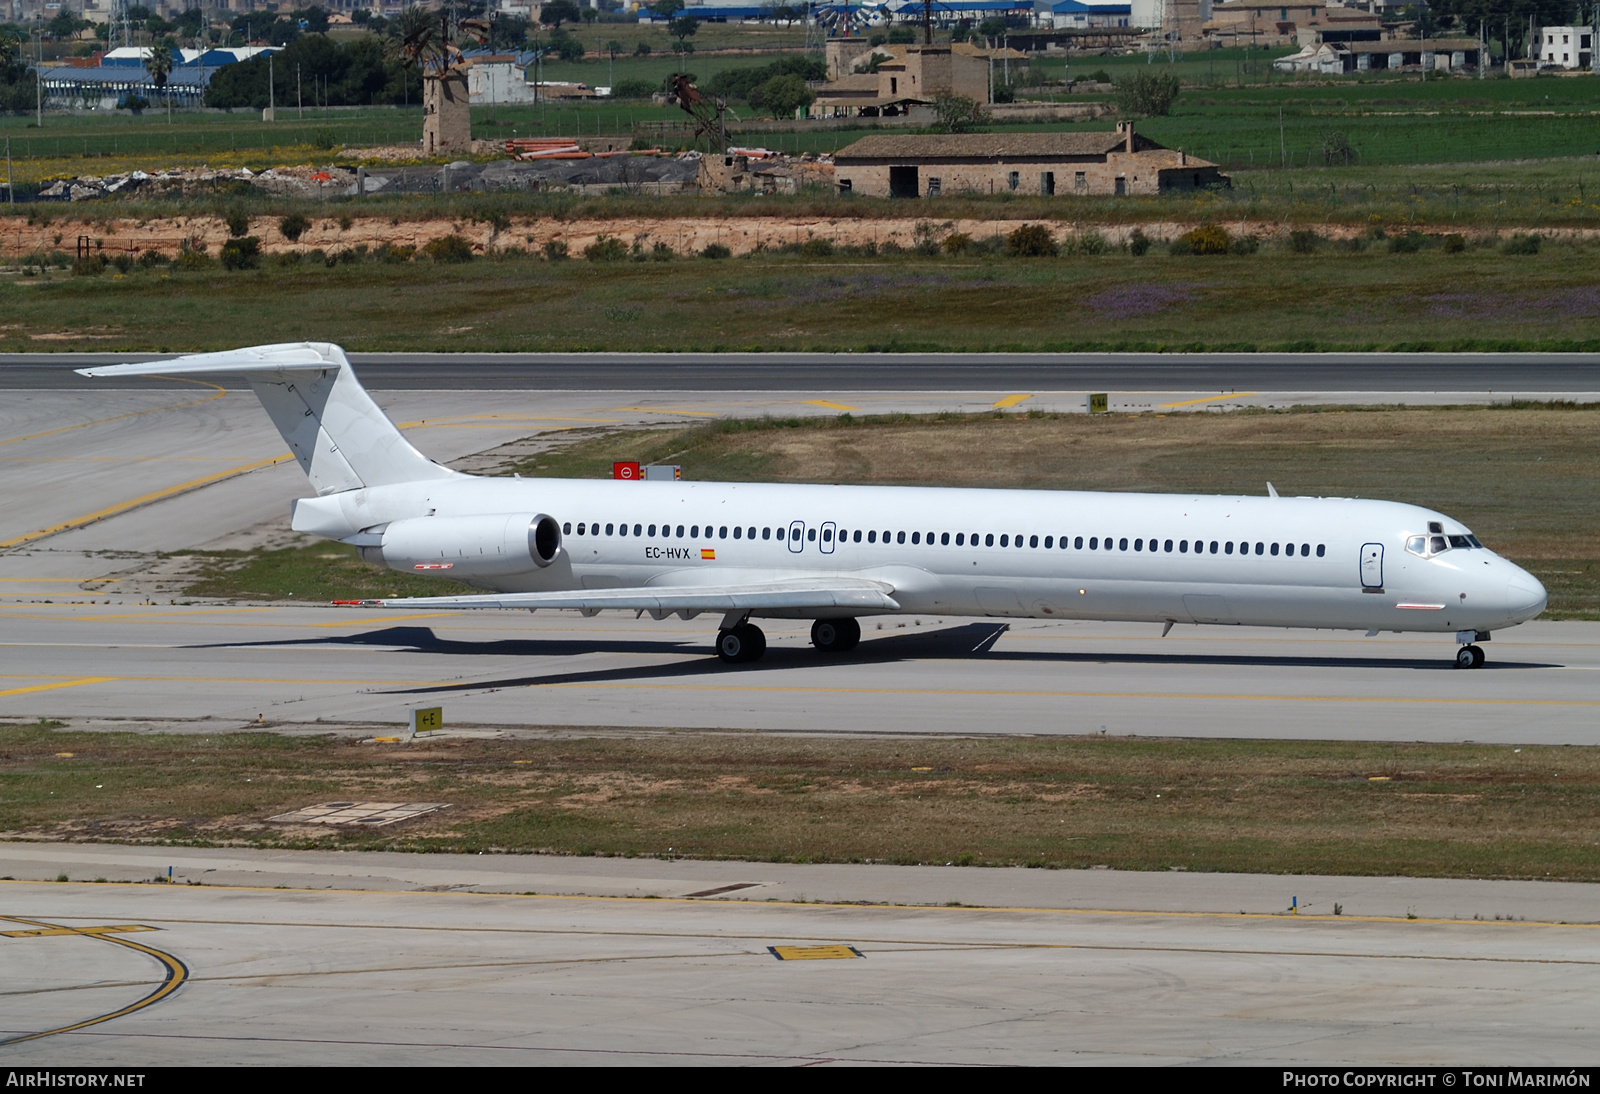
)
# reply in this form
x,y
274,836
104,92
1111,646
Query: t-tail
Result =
x,y
341,438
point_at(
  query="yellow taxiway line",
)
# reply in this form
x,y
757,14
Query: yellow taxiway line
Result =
x,y
143,499
1209,399
1011,401
220,392
176,973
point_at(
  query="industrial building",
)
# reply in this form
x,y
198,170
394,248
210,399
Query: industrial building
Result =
x,y
1060,164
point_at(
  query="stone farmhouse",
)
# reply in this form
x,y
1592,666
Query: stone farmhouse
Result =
x,y
1064,164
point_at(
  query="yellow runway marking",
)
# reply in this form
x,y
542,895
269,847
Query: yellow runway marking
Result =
x,y
1209,399
42,932
813,953
220,392
176,972
144,499
64,580
830,406
1011,400
61,684
670,410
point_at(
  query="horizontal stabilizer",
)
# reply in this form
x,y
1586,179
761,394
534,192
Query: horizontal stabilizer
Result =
x,y
342,439
274,358
855,595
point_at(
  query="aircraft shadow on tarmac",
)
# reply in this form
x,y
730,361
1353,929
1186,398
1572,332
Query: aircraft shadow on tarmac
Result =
x,y
969,641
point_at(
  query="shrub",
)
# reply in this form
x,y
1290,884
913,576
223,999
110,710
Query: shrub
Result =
x,y
123,263
345,220
817,248
1031,241
661,252
1303,241
288,259
957,113
1522,245
1244,245
1454,243
238,224
606,249
324,139
1088,242
498,219
1337,150
1100,76
89,266
450,248
316,256
633,89
241,253
555,250
1146,93
957,243
153,258
1407,244
715,250
391,253
192,255
1208,239
1138,242
293,227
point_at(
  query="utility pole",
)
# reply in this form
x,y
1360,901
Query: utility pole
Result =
x,y
38,83
299,99
272,93
11,188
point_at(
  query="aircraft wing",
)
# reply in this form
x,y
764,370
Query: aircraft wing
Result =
x,y
854,594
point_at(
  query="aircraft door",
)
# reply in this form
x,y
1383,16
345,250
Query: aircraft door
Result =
x,y
825,540
797,536
1372,565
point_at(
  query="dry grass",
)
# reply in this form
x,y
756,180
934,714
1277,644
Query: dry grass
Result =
x,y
1294,807
1526,479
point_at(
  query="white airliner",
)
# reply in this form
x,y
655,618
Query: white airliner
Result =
x,y
834,553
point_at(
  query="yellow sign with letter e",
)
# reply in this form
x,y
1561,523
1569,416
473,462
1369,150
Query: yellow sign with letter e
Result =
x,y
813,953
426,720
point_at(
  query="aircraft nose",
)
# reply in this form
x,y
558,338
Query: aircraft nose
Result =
x,y
1525,595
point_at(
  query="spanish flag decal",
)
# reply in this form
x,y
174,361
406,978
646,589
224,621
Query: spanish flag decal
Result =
x,y
707,552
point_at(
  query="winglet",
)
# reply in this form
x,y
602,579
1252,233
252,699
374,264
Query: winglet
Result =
x,y
1272,491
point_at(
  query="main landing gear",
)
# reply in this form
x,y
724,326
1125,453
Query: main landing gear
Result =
x,y
744,642
741,643
835,635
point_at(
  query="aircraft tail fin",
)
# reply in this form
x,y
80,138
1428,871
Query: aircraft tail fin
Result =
x,y
340,436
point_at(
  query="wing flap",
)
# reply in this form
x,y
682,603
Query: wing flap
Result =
x,y
856,595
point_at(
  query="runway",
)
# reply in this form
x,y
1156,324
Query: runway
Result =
x,y
1086,970
1215,372
320,669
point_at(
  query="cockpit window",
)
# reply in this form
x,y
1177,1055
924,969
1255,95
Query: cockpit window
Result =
x,y
1430,545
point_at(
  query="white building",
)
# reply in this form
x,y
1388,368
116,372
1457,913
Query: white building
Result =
x,y
499,81
1564,47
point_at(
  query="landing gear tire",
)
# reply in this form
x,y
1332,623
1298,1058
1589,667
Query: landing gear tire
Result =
x,y
1469,657
740,644
835,635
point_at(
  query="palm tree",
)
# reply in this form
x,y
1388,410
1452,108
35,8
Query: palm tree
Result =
x,y
159,65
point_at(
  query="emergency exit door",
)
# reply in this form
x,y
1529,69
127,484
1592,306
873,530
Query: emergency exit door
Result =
x,y
1372,565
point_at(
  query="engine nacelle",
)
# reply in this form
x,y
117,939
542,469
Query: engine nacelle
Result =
x,y
494,545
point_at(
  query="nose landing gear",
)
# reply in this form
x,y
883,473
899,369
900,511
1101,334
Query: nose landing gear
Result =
x,y
1469,657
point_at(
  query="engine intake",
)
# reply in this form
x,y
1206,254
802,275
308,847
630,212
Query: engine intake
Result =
x,y
493,545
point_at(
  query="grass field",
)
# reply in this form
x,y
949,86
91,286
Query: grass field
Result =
x,y
1274,807
1526,479
1332,300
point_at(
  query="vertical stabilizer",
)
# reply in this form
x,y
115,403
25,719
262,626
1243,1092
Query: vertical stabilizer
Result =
x,y
340,436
